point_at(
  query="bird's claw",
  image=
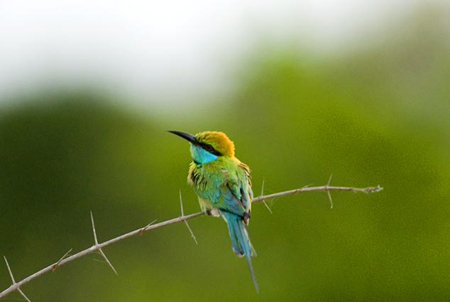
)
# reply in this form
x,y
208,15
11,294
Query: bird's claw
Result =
x,y
213,212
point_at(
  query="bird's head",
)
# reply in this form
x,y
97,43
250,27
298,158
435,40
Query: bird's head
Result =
x,y
208,146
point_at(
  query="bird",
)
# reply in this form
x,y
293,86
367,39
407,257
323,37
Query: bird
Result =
x,y
223,185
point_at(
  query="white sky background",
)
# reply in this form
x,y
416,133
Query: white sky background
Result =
x,y
166,50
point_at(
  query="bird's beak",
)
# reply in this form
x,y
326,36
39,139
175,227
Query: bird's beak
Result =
x,y
189,137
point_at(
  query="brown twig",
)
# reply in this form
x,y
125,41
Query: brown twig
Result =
x,y
97,247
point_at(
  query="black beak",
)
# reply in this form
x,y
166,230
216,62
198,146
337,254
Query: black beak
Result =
x,y
189,137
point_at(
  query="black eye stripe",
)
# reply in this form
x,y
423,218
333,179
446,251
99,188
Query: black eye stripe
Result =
x,y
210,149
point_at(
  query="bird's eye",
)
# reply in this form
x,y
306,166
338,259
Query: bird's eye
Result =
x,y
211,149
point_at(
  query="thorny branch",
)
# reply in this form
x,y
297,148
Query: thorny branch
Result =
x,y
97,247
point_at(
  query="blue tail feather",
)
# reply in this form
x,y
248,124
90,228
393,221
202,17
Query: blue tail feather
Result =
x,y
240,241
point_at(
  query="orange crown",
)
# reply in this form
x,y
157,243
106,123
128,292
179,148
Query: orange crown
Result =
x,y
218,140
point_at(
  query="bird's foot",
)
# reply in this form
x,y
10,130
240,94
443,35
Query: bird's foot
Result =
x,y
238,253
213,212
246,218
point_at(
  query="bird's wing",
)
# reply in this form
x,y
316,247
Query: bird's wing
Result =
x,y
230,200
237,193
245,186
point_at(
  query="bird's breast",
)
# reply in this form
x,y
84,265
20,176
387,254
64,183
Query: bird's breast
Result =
x,y
206,181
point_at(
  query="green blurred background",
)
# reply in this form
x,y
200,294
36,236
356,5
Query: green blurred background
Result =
x,y
377,115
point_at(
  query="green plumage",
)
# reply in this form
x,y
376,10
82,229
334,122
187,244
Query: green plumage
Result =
x,y
223,184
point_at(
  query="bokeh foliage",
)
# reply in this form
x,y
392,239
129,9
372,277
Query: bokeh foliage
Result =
x,y
375,117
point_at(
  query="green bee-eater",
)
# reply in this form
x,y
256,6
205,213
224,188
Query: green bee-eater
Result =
x,y
222,183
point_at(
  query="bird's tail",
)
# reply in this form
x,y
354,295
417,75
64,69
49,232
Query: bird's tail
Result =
x,y
240,241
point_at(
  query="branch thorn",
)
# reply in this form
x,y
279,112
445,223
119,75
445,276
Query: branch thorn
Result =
x,y
14,281
59,261
264,202
107,261
98,248
328,191
144,229
185,222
